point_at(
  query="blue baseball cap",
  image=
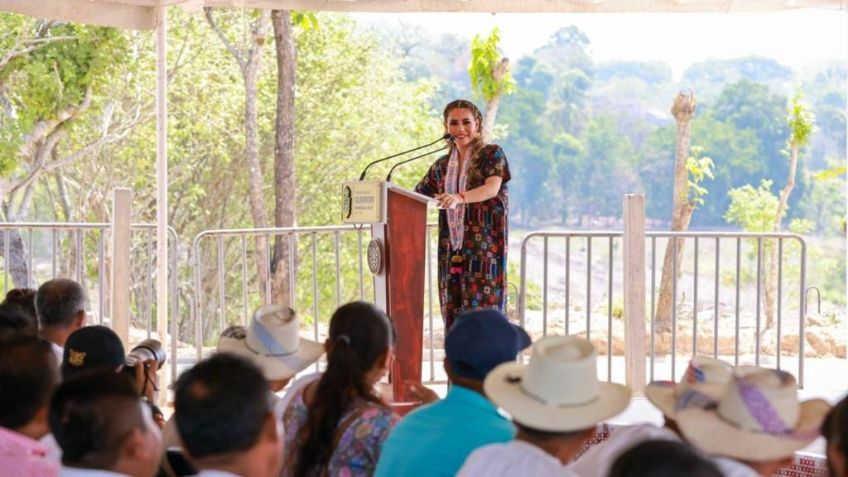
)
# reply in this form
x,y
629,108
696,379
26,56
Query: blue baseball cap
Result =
x,y
480,340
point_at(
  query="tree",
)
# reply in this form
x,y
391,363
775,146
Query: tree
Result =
x,y
249,57
801,123
490,77
48,78
683,110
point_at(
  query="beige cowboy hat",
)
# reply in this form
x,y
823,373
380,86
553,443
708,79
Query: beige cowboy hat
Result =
x,y
558,390
758,418
701,385
272,342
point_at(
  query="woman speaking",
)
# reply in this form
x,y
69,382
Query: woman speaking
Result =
x,y
470,185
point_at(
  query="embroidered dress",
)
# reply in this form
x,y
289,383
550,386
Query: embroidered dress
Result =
x,y
358,448
476,277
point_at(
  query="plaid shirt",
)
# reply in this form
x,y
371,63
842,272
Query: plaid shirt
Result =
x,y
21,456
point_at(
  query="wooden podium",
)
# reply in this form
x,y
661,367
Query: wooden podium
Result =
x,y
396,258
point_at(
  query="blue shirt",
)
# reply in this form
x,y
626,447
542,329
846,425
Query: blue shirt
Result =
x,y
436,439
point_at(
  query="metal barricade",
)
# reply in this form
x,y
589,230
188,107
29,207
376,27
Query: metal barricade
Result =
x,y
731,273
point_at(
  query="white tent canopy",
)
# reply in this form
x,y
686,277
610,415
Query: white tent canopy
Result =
x,y
141,14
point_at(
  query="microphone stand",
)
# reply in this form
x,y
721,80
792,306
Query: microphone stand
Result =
x,y
389,177
362,176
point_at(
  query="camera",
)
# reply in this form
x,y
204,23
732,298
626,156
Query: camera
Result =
x,y
146,350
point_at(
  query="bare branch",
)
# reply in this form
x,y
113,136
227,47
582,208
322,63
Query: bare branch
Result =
x,y
26,46
239,56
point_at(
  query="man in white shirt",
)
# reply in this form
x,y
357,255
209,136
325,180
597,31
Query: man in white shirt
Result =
x,y
700,386
104,428
60,305
225,419
555,402
757,424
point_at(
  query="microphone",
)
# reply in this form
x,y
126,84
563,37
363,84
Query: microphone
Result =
x,y
392,170
362,176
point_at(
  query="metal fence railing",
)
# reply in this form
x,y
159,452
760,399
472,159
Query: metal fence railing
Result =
x,y
80,251
570,282
719,298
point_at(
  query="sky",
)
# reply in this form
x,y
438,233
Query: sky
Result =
x,y
796,38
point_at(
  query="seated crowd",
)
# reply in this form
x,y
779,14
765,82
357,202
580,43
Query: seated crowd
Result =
x,y
71,406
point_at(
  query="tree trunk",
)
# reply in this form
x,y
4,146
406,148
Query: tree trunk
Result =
x,y
771,256
284,176
249,61
498,72
683,110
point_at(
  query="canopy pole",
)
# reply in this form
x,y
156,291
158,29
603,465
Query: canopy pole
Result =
x,y
162,174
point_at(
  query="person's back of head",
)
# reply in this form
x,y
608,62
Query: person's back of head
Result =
x,y
24,300
60,303
92,348
100,422
28,376
14,321
479,341
663,459
835,431
359,346
225,419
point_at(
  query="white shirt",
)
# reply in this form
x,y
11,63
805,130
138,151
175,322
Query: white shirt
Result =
x,y
283,403
54,452
511,459
216,473
59,351
732,468
597,461
78,472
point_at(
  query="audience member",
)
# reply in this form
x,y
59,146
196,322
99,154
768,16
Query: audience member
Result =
x,y
273,343
835,431
225,419
24,300
337,424
663,458
92,348
555,402
28,376
104,428
757,424
700,386
60,305
436,439
15,322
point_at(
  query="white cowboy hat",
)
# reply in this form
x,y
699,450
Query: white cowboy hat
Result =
x,y
272,342
758,418
558,390
700,386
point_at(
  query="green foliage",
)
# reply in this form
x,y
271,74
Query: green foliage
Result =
x,y
801,120
484,57
698,168
751,208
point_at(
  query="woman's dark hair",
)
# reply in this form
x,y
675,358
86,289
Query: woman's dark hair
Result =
x,y
663,459
359,335
23,298
835,427
477,143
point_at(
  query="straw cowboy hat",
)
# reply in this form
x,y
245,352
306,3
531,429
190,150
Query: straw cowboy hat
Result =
x,y
701,386
272,342
758,418
558,390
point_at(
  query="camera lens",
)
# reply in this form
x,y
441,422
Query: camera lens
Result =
x,y
146,350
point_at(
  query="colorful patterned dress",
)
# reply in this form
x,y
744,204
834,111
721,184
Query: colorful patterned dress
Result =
x,y
358,447
482,281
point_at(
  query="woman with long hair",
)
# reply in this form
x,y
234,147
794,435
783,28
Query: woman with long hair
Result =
x,y
337,424
470,185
